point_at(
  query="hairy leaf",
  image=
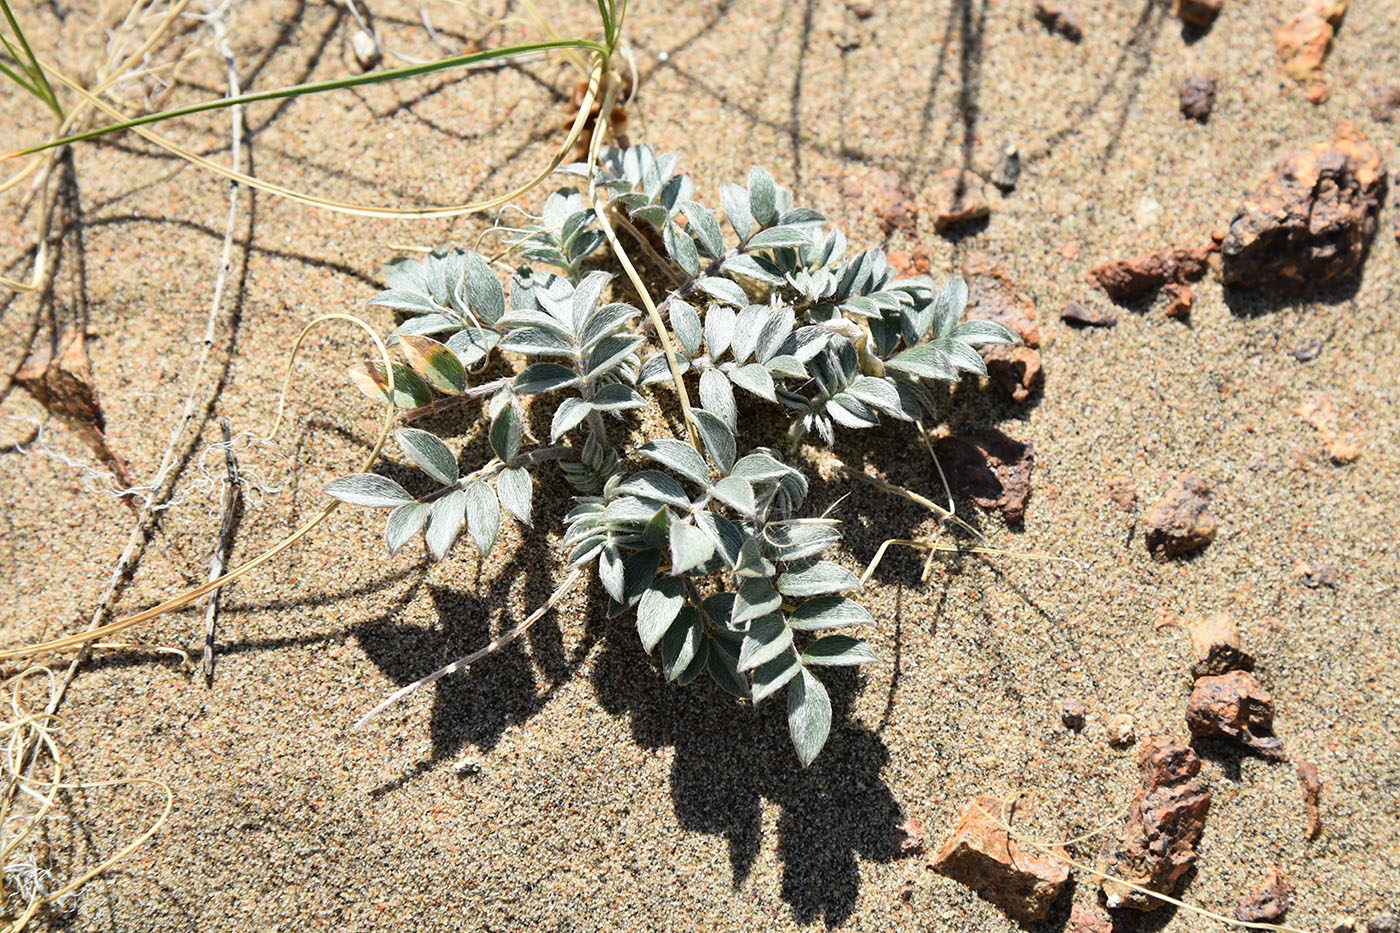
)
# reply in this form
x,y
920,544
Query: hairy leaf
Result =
x,y
658,608
483,515
369,489
515,488
431,454
405,522
817,579
838,650
829,612
506,432
445,522
809,716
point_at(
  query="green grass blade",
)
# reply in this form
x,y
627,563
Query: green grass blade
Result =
x,y
41,88
317,87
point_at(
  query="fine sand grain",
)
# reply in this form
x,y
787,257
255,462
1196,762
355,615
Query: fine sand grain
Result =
x,y
562,784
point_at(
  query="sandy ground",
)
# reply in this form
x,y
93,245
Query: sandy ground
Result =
x,y
563,785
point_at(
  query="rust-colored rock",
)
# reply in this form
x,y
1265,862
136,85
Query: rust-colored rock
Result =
x,y
1179,299
1311,220
1181,523
957,196
991,468
1015,369
1215,644
1131,279
1321,413
993,296
1123,493
1269,902
1199,13
895,204
1059,19
1157,844
1087,921
1312,796
981,855
1233,706
909,838
1302,43
1197,97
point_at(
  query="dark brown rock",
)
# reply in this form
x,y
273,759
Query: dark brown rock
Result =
x,y
1131,279
1157,844
1197,97
1181,522
1233,706
1312,796
1311,220
1215,644
1079,314
991,468
895,204
1059,19
1269,902
983,856
1072,714
957,196
1199,13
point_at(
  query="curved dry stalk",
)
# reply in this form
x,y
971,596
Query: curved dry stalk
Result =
x,y
934,547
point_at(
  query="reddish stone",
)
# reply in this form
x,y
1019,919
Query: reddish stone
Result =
x,y
1233,706
1312,796
1181,522
1269,902
958,196
1131,279
982,855
991,468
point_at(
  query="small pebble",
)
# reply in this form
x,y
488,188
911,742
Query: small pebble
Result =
x,y
1085,315
1008,171
365,48
1072,714
1120,731
1385,923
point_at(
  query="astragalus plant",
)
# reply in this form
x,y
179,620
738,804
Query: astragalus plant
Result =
x,y
703,538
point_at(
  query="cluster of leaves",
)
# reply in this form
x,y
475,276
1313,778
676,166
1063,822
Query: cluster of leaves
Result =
x,y
711,550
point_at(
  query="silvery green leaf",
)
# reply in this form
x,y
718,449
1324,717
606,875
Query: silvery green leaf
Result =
x,y
838,650
586,295
948,306
657,609
724,290
829,612
543,377
506,432
679,457
751,562
658,369
760,268
861,307
638,571
445,522
717,438
723,668
681,248
770,677
690,548
776,237
760,466
609,354
877,393
488,299
756,597
435,363
817,579
617,397
431,454
848,412
410,391
681,643
801,215
747,327
610,572
809,716
654,214
567,417
536,341
727,536
783,365
963,356
735,201
472,344
515,489
717,397
754,377
806,342
768,637
719,329
373,490
762,196
735,492
982,333
406,274
427,324
587,549
412,302
686,323
405,522
652,484
706,229
483,515
926,362
773,333
533,317
606,321
799,540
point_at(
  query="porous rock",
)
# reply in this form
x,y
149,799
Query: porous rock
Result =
x,y
1082,920
1215,644
1079,314
1233,706
1302,43
1157,844
957,196
1312,796
1311,220
1131,279
1181,522
980,854
1197,96
992,469
1269,902
1072,714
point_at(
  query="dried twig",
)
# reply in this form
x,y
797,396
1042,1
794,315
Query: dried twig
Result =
x,y
216,563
